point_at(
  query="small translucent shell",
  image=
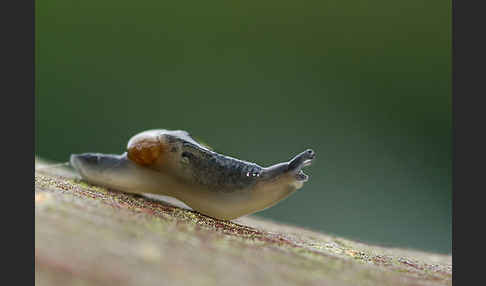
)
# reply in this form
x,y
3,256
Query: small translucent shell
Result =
x,y
144,150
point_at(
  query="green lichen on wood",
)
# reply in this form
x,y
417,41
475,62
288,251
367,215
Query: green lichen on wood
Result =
x,y
90,235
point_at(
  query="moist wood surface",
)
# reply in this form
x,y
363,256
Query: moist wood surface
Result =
x,y
87,235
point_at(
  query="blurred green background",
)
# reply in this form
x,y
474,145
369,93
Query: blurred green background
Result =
x,y
366,84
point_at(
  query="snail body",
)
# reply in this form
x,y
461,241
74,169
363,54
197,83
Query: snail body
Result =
x,y
172,163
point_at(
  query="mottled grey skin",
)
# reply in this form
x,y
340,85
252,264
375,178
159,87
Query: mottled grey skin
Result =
x,y
213,184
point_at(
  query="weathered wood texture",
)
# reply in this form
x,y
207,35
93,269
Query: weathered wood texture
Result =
x,y
87,235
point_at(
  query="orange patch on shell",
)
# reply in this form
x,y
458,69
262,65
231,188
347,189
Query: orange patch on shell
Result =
x,y
145,151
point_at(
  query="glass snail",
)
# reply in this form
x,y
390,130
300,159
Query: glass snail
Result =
x,y
172,163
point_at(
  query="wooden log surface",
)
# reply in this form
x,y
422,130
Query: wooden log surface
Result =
x,y
88,235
